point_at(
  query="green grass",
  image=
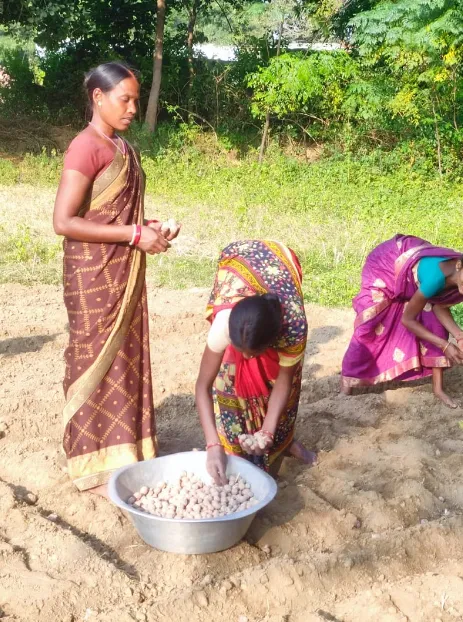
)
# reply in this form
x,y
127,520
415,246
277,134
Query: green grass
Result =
x,y
9,173
332,212
28,259
180,272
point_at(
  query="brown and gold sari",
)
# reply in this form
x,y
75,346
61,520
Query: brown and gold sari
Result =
x,y
109,414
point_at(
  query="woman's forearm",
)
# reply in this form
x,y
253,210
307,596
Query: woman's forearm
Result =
x,y
205,407
279,398
77,228
445,318
208,370
423,333
73,194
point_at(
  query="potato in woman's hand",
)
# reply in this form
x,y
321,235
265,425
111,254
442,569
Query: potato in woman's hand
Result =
x,y
253,442
170,229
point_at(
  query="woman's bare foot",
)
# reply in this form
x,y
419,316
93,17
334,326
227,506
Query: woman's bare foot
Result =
x,y
297,450
102,491
438,387
446,399
274,468
345,389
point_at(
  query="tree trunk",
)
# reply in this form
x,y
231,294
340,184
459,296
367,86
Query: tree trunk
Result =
x,y
192,16
266,129
455,87
153,102
437,134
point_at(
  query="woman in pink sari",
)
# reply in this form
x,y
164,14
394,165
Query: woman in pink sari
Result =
x,y
403,318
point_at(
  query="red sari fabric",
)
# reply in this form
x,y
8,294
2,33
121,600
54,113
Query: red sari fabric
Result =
x,y
252,374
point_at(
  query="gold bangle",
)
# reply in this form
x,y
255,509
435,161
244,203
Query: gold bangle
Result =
x,y
444,349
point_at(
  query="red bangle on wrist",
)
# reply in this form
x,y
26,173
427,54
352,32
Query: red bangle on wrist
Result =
x,y
137,236
209,445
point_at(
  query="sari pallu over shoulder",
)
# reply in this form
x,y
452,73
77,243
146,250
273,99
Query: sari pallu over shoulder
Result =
x,y
104,297
406,283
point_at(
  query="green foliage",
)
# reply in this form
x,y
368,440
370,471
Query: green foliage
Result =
x,y
9,173
40,170
396,81
20,90
24,246
178,272
101,25
412,34
77,36
314,84
457,312
27,258
419,45
332,212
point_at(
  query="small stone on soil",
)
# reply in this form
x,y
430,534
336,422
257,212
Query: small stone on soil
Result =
x,y
226,586
202,599
266,549
30,498
207,580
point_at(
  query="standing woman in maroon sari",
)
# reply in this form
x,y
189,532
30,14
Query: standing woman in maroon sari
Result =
x,y
109,415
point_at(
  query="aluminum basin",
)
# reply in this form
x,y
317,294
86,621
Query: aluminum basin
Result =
x,y
189,536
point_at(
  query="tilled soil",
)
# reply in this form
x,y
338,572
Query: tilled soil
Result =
x,y
374,532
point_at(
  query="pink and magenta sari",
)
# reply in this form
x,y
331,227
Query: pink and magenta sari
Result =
x,y
381,348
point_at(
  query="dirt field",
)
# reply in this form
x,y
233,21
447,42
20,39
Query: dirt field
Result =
x,y
373,533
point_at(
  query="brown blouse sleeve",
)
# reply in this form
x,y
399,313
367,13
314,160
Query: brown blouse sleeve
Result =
x,y
87,156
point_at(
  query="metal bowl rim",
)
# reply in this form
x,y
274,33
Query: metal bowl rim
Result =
x,y
113,495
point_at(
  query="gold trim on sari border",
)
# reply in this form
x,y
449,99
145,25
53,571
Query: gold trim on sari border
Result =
x,y
296,349
284,255
94,469
435,361
104,185
371,312
404,257
110,192
385,376
228,401
109,176
245,273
